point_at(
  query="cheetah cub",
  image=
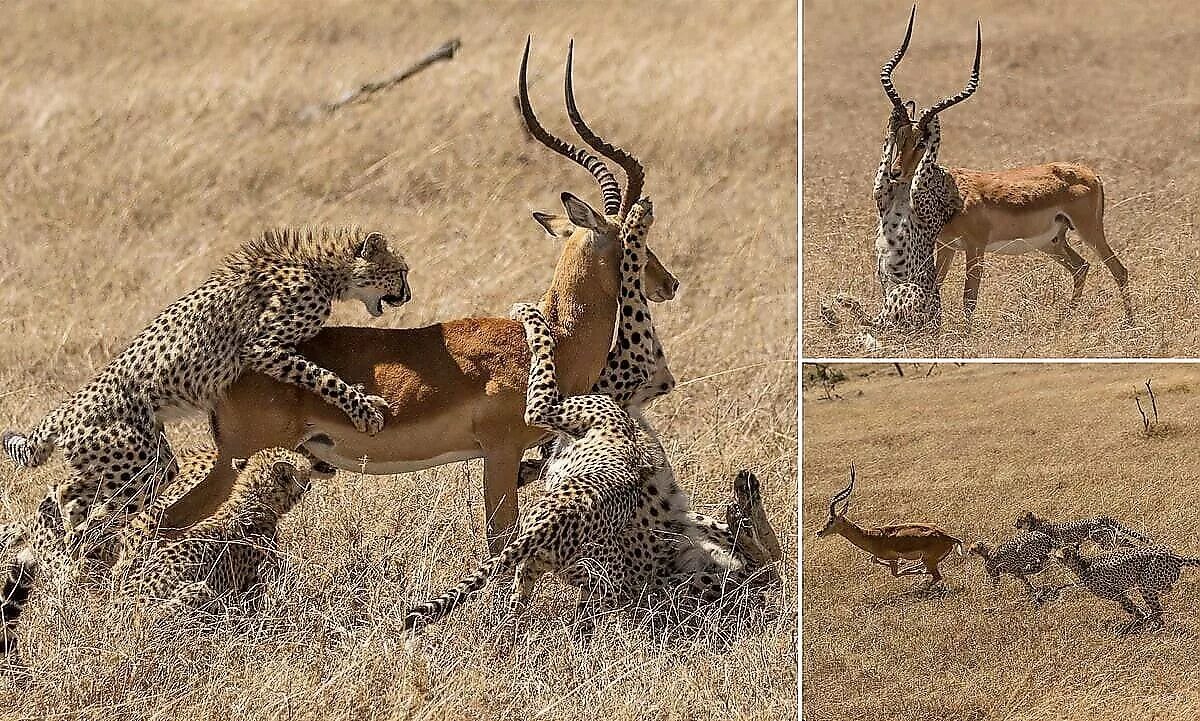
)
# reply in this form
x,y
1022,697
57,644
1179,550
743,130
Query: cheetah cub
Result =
x,y
1101,530
222,555
251,314
1152,570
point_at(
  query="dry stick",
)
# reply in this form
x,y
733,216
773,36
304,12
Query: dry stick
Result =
x,y
1153,402
445,52
1145,420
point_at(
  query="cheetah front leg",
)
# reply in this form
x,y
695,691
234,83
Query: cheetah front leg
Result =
x,y
544,405
283,363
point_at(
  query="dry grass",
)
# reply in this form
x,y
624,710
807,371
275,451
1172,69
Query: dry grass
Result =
x,y
1113,87
145,140
968,449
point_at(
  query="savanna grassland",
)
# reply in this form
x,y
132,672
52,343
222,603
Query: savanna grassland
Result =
x,y
1114,86
968,449
140,142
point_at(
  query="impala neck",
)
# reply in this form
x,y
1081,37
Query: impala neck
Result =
x,y
860,537
581,312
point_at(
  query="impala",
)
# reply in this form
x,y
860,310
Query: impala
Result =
x,y
1008,211
455,390
925,544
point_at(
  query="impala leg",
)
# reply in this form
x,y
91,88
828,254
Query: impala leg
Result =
x,y
945,259
1072,261
501,466
1092,233
974,276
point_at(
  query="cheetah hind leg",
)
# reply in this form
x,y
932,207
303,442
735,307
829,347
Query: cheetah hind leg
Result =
x,y
1138,617
1154,601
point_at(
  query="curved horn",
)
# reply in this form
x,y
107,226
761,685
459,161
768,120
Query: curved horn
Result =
x,y
842,495
885,74
968,91
608,183
635,174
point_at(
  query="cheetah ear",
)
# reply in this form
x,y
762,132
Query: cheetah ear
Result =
x,y
372,245
556,225
239,464
582,214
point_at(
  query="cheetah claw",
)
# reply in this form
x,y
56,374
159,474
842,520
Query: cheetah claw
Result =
x,y
374,417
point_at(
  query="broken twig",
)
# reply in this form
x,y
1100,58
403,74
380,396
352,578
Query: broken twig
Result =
x,y
445,52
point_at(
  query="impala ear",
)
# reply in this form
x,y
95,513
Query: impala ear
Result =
x,y
239,464
556,225
582,214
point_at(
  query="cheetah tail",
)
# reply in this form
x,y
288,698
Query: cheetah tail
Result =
x,y
35,449
1189,561
17,587
438,608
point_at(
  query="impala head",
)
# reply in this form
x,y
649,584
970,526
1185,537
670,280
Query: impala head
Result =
x,y
910,133
581,223
378,275
837,516
754,538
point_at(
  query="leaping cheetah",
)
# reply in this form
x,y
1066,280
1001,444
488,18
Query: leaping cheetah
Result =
x,y
274,293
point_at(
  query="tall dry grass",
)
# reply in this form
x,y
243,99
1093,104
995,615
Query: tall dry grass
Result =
x,y
142,141
1114,86
969,449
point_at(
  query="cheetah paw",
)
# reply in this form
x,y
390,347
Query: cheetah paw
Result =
x,y
376,407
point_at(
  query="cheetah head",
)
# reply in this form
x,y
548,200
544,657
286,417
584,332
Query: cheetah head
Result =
x,y
278,477
584,224
378,275
1028,521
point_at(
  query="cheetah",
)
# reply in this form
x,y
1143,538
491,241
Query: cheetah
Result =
x,y
188,568
1101,530
1021,556
274,292
612,504
1152,570
221,555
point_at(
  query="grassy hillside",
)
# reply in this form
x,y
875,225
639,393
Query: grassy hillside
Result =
x,y
968,449
141,141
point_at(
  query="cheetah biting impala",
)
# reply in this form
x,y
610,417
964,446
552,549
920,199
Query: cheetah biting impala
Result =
x,y
1010,211
456,389
223,554
267,297
613,521
1152,570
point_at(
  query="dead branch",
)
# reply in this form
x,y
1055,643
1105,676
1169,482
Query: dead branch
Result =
x,y
1145,420
445,52
1153,402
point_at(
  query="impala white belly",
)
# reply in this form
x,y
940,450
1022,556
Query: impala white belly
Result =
x,y
329,453
1042,239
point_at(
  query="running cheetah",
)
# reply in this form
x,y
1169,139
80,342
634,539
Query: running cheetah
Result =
x,y
272,294
1023,555
1101,530
613,521
1152,570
